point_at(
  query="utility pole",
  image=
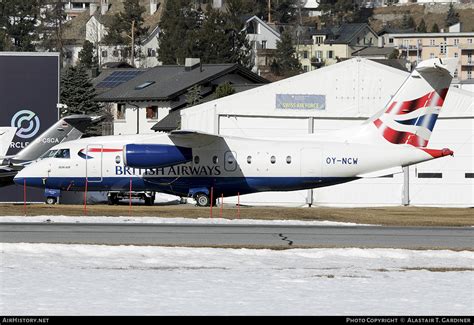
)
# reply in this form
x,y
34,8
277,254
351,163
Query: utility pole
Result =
x,y
133,44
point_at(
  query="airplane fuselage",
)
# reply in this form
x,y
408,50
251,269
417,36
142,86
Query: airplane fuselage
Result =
x,y
228,165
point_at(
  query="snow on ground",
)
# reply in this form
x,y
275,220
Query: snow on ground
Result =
x,y
157,220
52,279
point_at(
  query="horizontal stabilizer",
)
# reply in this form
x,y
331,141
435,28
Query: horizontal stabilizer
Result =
x,y
6,136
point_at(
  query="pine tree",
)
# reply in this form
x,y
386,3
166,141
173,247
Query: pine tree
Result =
x,y
20,19
51,27
452,17
421,28
407,22
179,25
435,28
193,96
286,64
120,28
224,90
86,55
78,94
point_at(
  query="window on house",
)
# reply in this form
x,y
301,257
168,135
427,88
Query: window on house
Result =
x,y
469,41
151,52
319,39
305,68
319,54
432,56
152,112
456,41
104,53
120,112
115,53
442,48
390,40
305,54
456,54
144,85
469,74
456,73
264,44
330,54
432,42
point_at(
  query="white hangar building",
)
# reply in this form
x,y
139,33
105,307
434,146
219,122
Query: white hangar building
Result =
x,y
336,97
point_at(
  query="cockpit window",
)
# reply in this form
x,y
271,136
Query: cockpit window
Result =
x,y
63,153
49,154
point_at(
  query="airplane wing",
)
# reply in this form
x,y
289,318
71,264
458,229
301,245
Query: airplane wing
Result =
x,y
193,139
6,136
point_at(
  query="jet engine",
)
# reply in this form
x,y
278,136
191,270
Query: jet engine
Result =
x,y
155,155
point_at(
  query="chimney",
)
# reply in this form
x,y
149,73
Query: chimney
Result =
x,y
92,8
104,6
191,63
217,4
153,6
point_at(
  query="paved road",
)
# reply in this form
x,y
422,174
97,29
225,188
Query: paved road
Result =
x,y
238,235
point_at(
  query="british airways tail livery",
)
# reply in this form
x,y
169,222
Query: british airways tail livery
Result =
x,y
190,163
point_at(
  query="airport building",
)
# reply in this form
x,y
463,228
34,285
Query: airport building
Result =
x,y
340,96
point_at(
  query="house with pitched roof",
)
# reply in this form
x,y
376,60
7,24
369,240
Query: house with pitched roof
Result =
x,y
149,100
92,25
330,45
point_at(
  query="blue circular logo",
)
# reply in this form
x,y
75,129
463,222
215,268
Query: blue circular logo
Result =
x,y
27,124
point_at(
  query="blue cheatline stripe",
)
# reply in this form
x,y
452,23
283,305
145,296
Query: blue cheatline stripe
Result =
x,y
426,121
227,186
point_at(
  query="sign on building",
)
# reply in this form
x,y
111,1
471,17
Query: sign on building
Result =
x,y
29,93
295,101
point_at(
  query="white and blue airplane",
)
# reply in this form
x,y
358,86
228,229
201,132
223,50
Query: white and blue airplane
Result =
x,y
191,163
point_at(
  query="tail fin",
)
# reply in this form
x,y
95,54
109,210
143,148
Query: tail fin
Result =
x,y
66,129
410,116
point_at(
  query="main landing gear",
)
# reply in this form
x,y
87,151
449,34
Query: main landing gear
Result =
x,y
204,200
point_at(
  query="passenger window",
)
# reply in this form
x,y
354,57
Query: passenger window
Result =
x,y
215,160
196,160
63,154
288,159
249,160
272,159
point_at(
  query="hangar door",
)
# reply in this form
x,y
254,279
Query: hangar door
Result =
x,y
254,126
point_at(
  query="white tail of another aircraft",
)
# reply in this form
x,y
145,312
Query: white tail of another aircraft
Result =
x,y
410,116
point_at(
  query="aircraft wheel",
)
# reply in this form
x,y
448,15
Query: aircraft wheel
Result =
x,y
112,199
50,200
149,200
202,200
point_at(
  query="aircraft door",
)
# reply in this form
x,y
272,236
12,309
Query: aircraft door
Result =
x,y
311,162
94,161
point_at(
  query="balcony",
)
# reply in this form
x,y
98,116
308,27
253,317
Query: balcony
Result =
x,y
317,62
466,47
410,47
